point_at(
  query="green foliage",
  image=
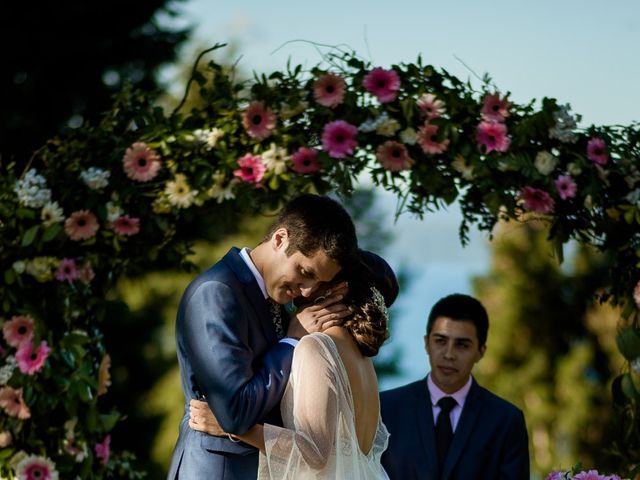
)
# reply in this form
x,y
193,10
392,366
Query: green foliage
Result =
x,y
551,349
131,193
67,60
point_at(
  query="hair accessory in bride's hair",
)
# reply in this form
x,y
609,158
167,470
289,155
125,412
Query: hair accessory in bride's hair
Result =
x,y
379,302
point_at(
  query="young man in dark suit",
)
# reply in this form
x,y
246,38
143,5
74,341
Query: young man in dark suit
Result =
x,y
447,426
234,343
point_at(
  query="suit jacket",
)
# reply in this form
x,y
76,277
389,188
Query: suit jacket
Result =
x,y
228,351
490,440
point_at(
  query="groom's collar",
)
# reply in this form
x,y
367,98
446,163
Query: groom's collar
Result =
x,y
244,254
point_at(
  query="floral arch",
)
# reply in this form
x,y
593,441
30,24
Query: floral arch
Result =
x,y
111,199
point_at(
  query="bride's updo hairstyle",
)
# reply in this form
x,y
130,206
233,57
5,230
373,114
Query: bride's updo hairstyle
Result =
x,y
369,323
372,288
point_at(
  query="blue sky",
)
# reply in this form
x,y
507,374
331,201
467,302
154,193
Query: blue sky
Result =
x,y
582,52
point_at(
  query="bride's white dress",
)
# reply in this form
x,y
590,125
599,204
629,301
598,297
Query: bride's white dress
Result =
x,y
319,439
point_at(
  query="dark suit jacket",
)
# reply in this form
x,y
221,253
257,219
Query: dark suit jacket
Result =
x,y
490,441
228,351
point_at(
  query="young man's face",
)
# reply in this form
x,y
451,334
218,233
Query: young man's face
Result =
x,y
453,350
288,277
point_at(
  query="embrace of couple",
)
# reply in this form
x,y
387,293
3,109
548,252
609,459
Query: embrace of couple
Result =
x,y
275,344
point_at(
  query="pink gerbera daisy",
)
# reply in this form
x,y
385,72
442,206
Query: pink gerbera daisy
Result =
x,y
329,89
495,109
141,163
493,136
67,270
258,120
383,84
31,361
18,330
33,467
103,450
81,225
430,106
428,140
12,403
597,151
251,169
394,156
305,160
566,187
339,138
536,200
126,225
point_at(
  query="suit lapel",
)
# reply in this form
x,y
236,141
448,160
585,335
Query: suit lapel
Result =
x,y
427,431
252,290
468,418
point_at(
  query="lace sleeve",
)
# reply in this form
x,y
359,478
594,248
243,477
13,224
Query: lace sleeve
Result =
x,y
313,398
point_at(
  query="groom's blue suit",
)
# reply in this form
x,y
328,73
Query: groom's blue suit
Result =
x,y
490,440
228,351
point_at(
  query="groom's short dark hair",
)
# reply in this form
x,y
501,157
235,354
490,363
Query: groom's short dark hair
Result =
x,y
317,222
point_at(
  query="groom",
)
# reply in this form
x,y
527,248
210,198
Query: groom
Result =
x,y
233,348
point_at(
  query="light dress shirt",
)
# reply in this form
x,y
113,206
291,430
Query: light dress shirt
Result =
x,y
460,396
244,254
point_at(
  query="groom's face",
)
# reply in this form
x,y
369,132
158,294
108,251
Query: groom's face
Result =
x,y
295,275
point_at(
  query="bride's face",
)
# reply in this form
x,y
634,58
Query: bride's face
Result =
x,y
295,275
453,349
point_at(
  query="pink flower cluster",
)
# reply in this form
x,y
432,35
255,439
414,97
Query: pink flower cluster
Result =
x,y
584,475
18,333
491,133
68,271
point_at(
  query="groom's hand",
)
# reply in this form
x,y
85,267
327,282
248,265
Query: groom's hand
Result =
x,y
326,311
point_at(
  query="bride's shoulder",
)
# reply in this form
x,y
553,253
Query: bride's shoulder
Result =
x,y
316,342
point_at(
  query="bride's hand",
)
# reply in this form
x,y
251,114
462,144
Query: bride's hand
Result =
x,y
202,419
326,311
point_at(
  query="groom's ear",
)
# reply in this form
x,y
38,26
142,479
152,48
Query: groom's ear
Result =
x,y
280,238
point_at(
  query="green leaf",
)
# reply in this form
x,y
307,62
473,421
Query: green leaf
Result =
x,y
9,276
626,384
85,392
30,235
51,232
109,420
628,341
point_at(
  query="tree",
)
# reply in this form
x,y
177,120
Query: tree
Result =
x,y
551,348
64,61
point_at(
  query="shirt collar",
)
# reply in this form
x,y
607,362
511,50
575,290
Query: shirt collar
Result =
x,y
244,254
436,394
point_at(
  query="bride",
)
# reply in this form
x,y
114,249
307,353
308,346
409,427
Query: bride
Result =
x,y
330,408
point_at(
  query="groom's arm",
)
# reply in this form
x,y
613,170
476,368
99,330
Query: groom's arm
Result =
x,y
217,340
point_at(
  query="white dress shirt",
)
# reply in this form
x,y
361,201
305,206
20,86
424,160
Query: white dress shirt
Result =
x,y
460,396
244,254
